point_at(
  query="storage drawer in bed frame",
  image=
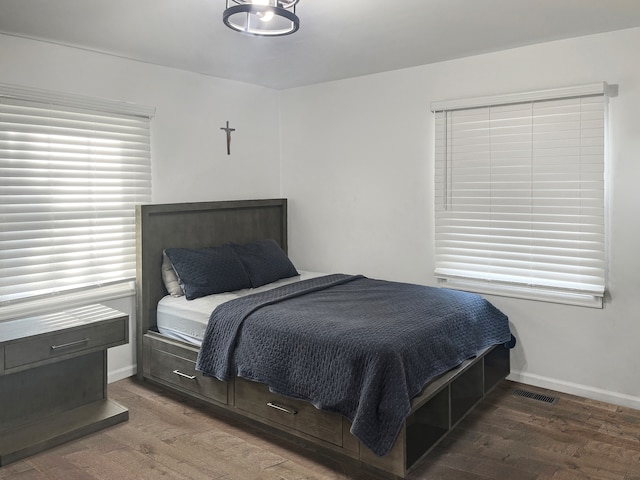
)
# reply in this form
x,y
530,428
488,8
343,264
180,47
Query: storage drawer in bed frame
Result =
x,y
174,364
436,411
256,398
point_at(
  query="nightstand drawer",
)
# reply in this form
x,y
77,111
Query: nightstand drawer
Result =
x,y
302,416
66,342
181,372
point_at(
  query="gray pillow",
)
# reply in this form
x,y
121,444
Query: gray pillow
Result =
x,y
208,270
265,262
169,278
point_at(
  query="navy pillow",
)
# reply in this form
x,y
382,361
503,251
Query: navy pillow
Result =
x,y
265,262
209,270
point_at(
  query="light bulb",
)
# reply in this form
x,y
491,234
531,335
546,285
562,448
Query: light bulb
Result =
x,y
266,16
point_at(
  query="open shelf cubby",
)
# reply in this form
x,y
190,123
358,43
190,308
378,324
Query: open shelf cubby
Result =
x,y
449,404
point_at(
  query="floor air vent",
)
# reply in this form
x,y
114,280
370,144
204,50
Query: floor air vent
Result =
x,y
535,396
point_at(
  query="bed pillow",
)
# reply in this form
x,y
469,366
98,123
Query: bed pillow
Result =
x,y
208,270
169,278
264,262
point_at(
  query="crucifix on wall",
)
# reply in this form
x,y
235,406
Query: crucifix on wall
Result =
x,y
228,130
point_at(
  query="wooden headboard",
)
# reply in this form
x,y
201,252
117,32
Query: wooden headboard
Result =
x,y
194,225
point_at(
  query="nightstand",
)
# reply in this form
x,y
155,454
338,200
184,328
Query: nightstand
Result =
x,y
53,378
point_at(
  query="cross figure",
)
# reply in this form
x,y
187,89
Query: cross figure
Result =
x,y
228,130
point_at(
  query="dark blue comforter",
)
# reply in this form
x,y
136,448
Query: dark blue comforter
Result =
x,y
352,345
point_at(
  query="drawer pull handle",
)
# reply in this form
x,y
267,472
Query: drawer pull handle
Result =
x,y
281,409
70,344
184,375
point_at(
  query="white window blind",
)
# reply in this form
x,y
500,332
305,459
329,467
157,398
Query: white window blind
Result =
x,y
520,194
71,170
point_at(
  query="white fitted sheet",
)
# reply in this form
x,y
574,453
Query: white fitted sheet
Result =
x,y
187,320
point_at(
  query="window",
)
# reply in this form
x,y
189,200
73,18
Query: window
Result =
x,y
71,170
520,194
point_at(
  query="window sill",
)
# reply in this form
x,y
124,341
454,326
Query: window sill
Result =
x,y
541,295
66,300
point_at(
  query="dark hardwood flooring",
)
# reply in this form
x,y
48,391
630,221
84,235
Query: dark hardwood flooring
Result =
x,y
505,437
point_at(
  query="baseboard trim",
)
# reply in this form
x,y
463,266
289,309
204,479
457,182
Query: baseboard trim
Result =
x,y
121,373
576,389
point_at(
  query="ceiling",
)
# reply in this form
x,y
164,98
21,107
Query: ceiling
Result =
x,y
337,38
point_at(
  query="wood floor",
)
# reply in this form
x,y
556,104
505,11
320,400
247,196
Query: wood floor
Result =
x,y
506,437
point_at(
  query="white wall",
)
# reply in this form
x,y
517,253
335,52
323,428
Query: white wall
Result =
x,y
357,167
188,149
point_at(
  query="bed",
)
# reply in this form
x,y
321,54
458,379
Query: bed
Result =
x,y
174,358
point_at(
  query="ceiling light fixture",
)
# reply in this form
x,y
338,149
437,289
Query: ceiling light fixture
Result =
x,y
270,18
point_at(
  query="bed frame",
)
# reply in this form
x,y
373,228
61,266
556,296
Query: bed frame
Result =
x,y
170,363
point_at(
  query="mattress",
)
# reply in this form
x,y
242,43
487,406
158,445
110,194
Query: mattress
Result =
x,y
187,320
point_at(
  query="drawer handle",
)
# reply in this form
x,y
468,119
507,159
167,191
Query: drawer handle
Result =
x,y
70,344
184,375
281,409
